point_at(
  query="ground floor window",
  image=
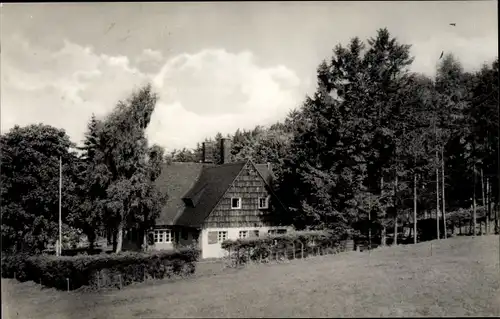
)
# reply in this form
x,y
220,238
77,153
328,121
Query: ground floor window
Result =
x,y
162,236
277,231
243,234
221,236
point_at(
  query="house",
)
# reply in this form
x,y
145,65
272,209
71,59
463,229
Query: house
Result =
x,y
210,203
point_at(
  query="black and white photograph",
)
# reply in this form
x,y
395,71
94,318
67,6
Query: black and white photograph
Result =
x,y
249,159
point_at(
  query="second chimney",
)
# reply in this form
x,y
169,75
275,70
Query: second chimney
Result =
x,y
225,150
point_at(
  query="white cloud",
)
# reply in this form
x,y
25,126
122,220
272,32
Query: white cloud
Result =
x,y
200,94
471,52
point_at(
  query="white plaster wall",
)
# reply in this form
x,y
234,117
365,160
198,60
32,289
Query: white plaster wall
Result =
x,y
216,251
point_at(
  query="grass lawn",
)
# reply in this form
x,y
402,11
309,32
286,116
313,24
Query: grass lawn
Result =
x,y
460,278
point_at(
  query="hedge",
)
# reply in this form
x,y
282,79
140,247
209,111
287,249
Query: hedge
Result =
x,y
99,271
264,248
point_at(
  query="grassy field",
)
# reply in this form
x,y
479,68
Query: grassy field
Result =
x,y
455,277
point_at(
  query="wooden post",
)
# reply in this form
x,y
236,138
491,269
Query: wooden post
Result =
x,y
293,250
120,279
302,249
67,283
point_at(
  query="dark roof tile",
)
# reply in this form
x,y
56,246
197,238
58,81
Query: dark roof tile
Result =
x,y
213,181
201,186
176,179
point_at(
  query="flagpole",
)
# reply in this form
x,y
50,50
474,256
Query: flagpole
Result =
x,y
60,217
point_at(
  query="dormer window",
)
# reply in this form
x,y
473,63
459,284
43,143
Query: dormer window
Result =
x,y
264,202
235,202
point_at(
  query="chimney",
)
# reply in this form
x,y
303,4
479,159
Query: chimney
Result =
x,y
225,150
207,152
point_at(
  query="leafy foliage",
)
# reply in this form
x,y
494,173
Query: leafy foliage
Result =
x,y
99,270
30,185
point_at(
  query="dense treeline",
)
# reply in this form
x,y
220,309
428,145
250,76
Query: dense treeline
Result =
x,y
376,147
378,141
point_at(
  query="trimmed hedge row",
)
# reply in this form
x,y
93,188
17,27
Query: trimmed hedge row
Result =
x,y
99,271
263,248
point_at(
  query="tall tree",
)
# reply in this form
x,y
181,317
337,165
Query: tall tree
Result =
x,y
125,159
30,185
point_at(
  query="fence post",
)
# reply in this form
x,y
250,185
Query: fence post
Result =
x,y
260,260
67,283
120,278
293,245
286,253
248,253
302,249
98,281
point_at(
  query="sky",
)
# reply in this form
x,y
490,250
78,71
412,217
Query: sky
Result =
x,y
216,66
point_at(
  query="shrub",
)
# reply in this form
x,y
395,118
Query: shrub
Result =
x,y
264,248
104,270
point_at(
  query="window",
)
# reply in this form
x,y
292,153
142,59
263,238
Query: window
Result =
x,y
263,202
276,231
221,236
256,233
243,234
236,203
163,236
281,231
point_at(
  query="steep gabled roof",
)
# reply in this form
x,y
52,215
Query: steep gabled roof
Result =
x,y
175,180
213,183
194,189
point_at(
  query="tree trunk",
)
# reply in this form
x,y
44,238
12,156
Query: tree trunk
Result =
x,y
115,242
395,210
485,201
370,220
488,200
414,208
443,187
437,196
383,233
119,239
91,236
474,217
